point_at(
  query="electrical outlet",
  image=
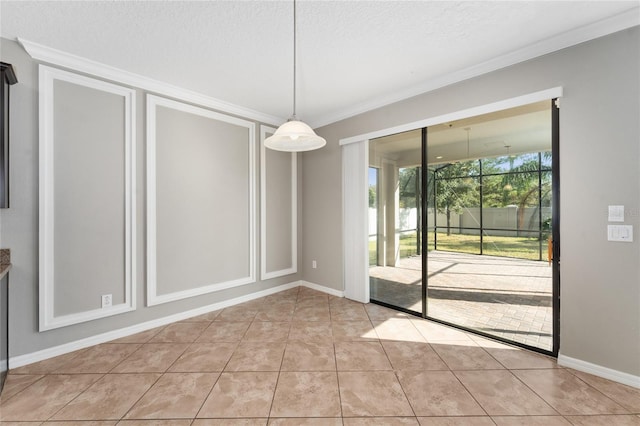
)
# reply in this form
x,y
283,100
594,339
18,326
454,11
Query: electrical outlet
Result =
x,y
314,264
106,300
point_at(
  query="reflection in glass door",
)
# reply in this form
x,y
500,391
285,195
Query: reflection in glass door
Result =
x,y
488,208
396,276
373,216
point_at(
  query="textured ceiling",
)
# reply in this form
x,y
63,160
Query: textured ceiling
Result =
x,y
352,55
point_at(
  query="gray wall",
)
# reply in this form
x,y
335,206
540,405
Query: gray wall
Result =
x,y
88,211
209,243
599,155
20,228
599,151
278,209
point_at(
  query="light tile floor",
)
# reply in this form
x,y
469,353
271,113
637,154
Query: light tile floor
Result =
x,y
301,357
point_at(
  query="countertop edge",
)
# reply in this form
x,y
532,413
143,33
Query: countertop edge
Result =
x,y
4,270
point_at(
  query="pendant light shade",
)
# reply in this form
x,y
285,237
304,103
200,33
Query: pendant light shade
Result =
x,y
294,135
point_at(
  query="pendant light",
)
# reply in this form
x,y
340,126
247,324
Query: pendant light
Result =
x,y
294,135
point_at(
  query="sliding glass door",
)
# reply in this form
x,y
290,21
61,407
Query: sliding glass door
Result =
x,y
396,276
469,241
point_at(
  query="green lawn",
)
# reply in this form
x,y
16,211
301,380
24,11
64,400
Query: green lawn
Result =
x,y
518,247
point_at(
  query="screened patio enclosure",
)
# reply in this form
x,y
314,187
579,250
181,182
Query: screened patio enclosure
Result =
x,y
461,222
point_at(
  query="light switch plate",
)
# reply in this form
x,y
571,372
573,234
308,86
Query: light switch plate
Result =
x,y
616,213
623,233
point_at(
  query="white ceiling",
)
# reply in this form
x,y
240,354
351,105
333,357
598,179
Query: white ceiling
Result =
x,y
352,55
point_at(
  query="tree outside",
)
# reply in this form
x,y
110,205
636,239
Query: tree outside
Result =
x,y
457,187
522,181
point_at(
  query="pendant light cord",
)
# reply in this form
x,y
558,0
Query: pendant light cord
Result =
x,y
468,129
294,60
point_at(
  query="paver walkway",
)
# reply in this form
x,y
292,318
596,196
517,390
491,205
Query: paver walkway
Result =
x,y
509,298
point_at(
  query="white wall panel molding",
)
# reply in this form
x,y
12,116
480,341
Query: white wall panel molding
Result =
x,y
67,60
47,199
154,294
265,189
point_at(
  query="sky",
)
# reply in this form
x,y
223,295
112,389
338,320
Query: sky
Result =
x,y
373,172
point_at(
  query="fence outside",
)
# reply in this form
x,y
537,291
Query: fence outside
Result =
x,y
502,220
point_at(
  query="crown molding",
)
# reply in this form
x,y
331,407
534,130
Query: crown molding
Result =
x,y
620,22
77,63
529,98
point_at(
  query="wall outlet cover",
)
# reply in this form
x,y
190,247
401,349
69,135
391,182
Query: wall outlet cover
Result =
x,y
107,300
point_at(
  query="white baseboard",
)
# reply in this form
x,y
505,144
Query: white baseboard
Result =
x,y
21,360
600,371
322,288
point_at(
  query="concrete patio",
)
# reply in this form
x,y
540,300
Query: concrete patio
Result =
x,y
505,297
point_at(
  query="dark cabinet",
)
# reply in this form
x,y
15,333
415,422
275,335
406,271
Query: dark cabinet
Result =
x,y
4,329
8,78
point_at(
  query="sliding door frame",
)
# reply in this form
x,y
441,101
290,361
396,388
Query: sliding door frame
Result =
x,y
360,285
424,204
555,232
555,221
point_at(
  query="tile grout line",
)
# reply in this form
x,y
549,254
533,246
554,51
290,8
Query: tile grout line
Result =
x,y
195,416
141,396
237,343
570,371
275,388
26,387
332,317
335,363
162,374
75,397
453,373
286,343
533,390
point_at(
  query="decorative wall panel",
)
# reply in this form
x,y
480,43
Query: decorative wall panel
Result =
x,y
200,201
87,198
278,208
